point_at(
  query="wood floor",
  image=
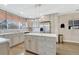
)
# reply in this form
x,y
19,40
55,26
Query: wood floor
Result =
x,y
62,49
68,49
17,50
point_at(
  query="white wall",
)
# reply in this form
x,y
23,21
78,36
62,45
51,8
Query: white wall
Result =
x,y
71,35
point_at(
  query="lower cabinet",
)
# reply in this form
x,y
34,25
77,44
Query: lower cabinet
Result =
x,y
46,45
14,39
20,37
30,44
17,39
40,45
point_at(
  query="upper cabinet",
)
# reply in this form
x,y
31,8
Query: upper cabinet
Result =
x,y
44,18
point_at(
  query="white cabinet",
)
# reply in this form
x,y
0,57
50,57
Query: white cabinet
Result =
x,y
30,44
34,45
46,45
43,45
4,46
21,37
27,43
15,38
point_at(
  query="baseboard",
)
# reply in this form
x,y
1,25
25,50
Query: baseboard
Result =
x,y
71,41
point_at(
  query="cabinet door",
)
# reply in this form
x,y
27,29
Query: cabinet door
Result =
x,y
46,45
27,42
10,37
21,37
34,44
15,39
31,43
41,45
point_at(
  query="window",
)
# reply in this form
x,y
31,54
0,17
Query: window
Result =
x,y
74,24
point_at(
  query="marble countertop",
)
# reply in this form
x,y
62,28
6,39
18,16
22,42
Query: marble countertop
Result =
x,y
5,33
2,40
42,34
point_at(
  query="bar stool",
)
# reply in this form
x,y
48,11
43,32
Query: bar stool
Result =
x,y
4,46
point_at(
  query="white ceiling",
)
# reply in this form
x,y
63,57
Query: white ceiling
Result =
x,y
33,10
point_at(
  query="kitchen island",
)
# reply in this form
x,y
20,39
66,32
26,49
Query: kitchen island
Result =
x,y
40,43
